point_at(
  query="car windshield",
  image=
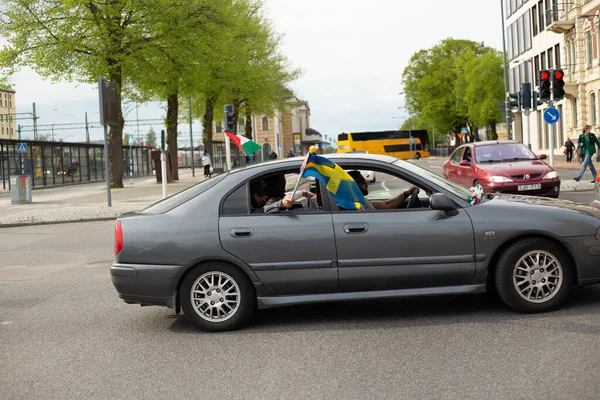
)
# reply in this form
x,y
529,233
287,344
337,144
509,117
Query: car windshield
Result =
x,y
458,190
502,152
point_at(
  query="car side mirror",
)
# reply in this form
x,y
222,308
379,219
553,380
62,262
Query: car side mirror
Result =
x,y
464,163
542,156
441,202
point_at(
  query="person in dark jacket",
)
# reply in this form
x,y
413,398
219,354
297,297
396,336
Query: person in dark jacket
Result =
x,y
569,148
588,142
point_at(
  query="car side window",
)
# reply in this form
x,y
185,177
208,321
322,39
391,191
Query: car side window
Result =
x,y
456,157
237,202
467,154
271,189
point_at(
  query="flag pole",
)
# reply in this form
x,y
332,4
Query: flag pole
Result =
x,y
312,149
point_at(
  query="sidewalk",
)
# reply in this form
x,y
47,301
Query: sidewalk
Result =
x,y
87,202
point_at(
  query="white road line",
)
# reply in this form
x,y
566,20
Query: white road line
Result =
x,y
435,166
385,187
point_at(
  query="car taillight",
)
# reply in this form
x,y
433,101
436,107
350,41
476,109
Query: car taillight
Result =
x,y
598,178
118,237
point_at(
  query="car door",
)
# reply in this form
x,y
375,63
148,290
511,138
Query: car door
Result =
x,y
452,170
465,172
291,252
404,248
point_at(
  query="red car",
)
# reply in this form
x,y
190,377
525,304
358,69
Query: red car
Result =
x,y
502,166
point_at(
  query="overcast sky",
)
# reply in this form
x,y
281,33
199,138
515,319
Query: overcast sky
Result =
x,y
352,54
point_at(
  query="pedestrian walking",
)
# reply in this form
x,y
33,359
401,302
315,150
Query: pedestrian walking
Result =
x,y
587,142
206,164
569,148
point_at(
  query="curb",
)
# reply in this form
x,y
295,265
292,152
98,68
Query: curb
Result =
x,y
65,221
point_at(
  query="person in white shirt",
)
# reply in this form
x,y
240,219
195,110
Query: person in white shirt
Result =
x,y
206,163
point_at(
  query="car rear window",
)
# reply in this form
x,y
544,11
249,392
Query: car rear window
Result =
x,y
185,195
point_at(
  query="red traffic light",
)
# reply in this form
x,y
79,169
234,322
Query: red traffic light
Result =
x,y
545,75
558,74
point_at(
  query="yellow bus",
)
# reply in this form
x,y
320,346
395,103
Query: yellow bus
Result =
x,y
391,143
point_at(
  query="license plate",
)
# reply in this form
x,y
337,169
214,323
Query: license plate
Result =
x,y
535,186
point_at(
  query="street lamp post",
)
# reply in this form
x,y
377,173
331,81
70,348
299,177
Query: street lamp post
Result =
x,y
397,119
506,89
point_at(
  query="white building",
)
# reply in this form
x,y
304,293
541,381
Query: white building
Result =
x,y
531,46
547,34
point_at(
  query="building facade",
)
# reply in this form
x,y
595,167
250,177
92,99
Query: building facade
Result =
x,y
8,125
547,34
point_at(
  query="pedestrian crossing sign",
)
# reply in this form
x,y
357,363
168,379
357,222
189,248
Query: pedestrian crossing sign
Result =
x,y
22,148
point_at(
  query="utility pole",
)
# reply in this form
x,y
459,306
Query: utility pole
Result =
x,y
87,130
191,137
506,90
34,123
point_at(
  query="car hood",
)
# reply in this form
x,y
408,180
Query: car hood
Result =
x,y
536,202
532,167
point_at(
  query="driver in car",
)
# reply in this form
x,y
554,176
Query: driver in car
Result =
x,y
393,203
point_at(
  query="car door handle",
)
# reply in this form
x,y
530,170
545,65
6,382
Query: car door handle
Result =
x,y
242,232
356,228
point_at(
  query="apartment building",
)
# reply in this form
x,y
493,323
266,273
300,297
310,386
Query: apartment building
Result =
x,y
8,125
531,46
549,34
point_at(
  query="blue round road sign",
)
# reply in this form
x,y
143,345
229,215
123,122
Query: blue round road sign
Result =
x,y
551,115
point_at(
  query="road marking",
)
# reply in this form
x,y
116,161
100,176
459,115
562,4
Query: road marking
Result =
x,y
435,166
385,187
6,322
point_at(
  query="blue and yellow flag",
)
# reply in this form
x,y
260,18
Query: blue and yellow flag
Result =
x,y
344,189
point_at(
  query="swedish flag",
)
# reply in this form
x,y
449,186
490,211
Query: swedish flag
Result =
x,y
344,189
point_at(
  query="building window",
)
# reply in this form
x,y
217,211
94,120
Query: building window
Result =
x,y
536,66
590,49
541,14
534,20
265,123
550,57
218,127
509,40
543,59
575,117
593,107
521,35
241,124
527,31
557,56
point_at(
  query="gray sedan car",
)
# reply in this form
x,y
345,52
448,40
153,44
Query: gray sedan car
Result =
x,y
206,252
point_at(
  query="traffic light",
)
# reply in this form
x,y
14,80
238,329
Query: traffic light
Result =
x,y
544,79
526,96
515,101
558,91
229,118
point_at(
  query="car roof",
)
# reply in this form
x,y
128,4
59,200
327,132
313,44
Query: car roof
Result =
x,y
335,157
491,142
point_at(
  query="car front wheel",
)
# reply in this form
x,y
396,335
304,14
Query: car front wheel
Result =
x,y
534,275
217,297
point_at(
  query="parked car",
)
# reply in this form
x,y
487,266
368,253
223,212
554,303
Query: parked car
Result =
x,y
502,166
596,202
203,252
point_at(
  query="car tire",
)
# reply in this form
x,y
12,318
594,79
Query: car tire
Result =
x,y
533,275
217,279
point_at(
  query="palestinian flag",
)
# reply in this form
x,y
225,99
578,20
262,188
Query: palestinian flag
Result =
x,y
244,144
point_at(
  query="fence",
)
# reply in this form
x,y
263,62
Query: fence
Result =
x,y
59,163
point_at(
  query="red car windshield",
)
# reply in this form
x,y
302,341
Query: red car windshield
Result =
x,y
502,152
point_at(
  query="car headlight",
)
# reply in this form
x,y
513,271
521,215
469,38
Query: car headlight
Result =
x,y
551,175
499,179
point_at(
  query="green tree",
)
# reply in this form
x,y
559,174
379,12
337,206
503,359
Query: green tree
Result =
x,y
432,85
151,138
80,41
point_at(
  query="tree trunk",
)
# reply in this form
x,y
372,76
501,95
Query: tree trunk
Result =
x,y
493,135
248,127
172,114
207,121
115,138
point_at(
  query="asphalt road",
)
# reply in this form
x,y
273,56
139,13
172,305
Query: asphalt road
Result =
x,y
64,334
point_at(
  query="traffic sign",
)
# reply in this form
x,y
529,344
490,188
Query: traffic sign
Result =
x,y
22,148
551,115
464,131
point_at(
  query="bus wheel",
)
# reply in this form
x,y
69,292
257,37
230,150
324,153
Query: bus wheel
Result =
x,y
418,156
